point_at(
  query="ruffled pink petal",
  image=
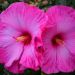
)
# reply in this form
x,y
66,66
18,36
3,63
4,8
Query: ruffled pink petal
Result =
x,y
60,58
2,56
15,68
65,60
70,42
62,9
9,31
39,49
29,59
49,64
61,17
22,17
11,53
48,33
5,41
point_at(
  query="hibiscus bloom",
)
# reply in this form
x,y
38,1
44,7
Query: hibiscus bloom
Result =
x,y
20,25
59,40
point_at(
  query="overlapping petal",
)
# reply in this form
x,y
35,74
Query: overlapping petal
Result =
x,y
60,57
16,20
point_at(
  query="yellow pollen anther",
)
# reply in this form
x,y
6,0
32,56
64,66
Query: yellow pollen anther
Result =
x,y
59,41
21,38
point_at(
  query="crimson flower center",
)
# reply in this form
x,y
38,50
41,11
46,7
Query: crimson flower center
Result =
x,y
24,38
57,40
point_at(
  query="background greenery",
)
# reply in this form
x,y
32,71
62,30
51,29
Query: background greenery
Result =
x,y
42,4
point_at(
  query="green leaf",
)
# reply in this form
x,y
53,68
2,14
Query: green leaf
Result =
x,y
11,1
61,2
42,74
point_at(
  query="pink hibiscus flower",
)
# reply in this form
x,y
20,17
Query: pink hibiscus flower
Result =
x,y
59,40
20,25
